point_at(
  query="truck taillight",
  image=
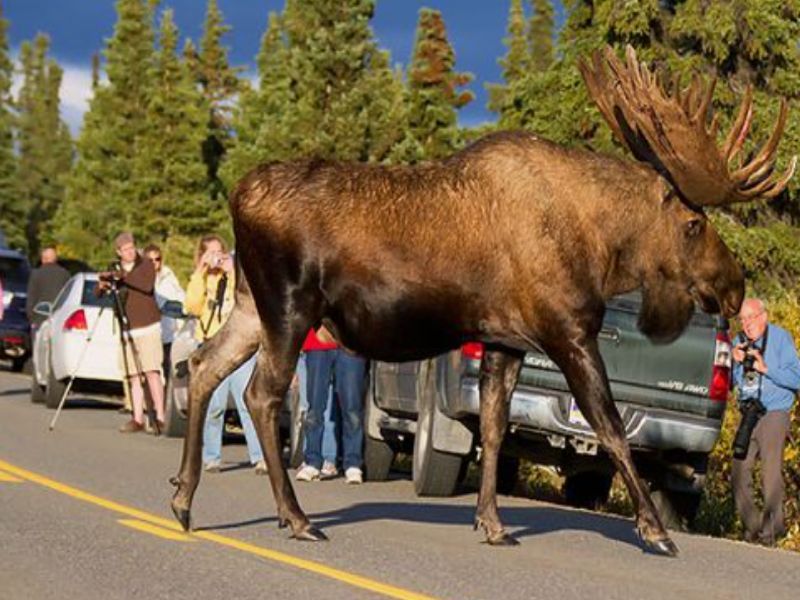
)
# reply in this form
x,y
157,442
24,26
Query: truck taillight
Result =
x,y
721,372
472,350
76,321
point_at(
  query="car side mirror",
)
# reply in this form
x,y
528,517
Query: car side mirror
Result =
x,y
173,309
43,309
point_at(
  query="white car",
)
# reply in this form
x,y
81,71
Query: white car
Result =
x,y
62,345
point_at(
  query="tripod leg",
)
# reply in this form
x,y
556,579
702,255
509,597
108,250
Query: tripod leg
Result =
x,y
75,370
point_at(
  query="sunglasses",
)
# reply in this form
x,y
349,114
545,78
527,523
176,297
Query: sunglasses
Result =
x,y
155,259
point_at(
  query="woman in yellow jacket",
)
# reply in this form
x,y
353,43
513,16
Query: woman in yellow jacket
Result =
x,y
209,296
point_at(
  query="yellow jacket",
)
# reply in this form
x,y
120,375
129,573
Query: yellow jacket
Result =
x,y
200,301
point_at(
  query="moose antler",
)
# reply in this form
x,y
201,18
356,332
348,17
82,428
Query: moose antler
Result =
x,y
671,131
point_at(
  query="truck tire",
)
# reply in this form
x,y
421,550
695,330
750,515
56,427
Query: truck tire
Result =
x,y
676,509
174,421
37,392
296,438
55,389
587,489
435,473
378,459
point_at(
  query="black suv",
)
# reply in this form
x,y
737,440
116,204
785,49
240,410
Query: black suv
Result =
x,y
15,330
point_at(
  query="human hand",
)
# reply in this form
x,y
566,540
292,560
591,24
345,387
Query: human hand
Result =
x,y
759,364
738,352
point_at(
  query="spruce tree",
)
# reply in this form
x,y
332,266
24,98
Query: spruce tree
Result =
x,y
169,164
540,35
516,62
102,192
325,90
434,95
43,141
221,84
12,214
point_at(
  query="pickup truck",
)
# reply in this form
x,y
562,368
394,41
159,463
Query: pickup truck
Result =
x,y
671,398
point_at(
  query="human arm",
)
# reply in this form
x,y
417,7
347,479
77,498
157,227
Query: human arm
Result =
x,y
195,293
786,373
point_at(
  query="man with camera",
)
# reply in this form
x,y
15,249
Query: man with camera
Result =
x,y
133,279
766,373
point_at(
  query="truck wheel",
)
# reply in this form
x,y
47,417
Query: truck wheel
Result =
x,y
587,489
55,389
296,438
37,391
174,421
507,474
378,459
435,473
676,509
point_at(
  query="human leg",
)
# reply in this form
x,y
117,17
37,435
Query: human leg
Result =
x,y
742,485
156,388
318,369
215,424
772,439
239,380
350,379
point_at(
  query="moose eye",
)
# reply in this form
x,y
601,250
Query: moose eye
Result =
x,y
694,227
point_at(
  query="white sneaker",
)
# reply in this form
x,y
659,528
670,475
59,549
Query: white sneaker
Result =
x,y
261,467
307,473
212,466
353,475
329,470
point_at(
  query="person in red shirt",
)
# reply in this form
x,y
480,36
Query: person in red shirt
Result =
x,y
326,360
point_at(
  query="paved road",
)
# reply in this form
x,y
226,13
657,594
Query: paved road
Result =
x,y
84,514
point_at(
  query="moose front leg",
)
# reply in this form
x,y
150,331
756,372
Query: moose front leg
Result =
x,y
583,367
499,372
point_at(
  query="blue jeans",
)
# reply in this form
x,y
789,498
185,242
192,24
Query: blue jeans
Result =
x,y
235,383
349,382
332,428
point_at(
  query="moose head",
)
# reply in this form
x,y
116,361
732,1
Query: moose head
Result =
x,y
685,260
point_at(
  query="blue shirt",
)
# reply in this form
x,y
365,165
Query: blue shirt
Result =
x,y
782,381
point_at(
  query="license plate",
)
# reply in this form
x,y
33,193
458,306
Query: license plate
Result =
x,y
576,416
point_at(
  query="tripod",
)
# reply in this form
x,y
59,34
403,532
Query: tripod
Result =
x,y
125,331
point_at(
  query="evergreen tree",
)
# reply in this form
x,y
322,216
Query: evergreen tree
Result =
x,y
324,90
169,165
44,142
221,84
540,35
12,214
516,62
434,95
102,192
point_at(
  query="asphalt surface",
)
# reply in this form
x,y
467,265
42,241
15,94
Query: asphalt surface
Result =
x,y
84,514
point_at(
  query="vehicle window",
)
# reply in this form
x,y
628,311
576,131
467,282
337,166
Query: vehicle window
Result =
x,y
88,297
63,294
14,273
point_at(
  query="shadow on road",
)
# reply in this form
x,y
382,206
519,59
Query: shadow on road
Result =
x,y
532,520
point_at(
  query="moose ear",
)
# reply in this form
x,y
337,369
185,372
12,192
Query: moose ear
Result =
x,y
695,226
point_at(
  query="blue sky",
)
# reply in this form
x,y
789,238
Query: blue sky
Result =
x,y
78,28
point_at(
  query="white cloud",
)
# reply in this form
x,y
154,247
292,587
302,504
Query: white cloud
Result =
x,y
75,94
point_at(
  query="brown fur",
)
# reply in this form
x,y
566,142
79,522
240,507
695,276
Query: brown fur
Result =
x,y
514,241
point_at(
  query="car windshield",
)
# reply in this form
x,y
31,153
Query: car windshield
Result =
x,y
14,274
89,299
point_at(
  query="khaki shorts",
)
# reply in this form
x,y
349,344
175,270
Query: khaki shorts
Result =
x,y
150,353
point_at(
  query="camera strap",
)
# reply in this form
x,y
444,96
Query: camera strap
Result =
x,y
216,307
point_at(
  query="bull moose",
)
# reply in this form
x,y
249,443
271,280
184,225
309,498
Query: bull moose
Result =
x,y
515,242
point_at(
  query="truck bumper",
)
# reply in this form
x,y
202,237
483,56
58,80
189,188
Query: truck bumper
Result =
x,y
547,412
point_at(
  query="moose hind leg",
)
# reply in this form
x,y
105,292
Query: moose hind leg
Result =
x,y
499,372
586,375
264,399
208,366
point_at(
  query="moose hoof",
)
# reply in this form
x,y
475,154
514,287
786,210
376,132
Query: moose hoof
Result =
x,y
283,523
184,517
502,539
665,547
310,534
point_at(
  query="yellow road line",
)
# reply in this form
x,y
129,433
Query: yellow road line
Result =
x,y
273,555
8,478
162,532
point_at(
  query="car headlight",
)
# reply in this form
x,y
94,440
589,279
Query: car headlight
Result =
x,y
7,298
